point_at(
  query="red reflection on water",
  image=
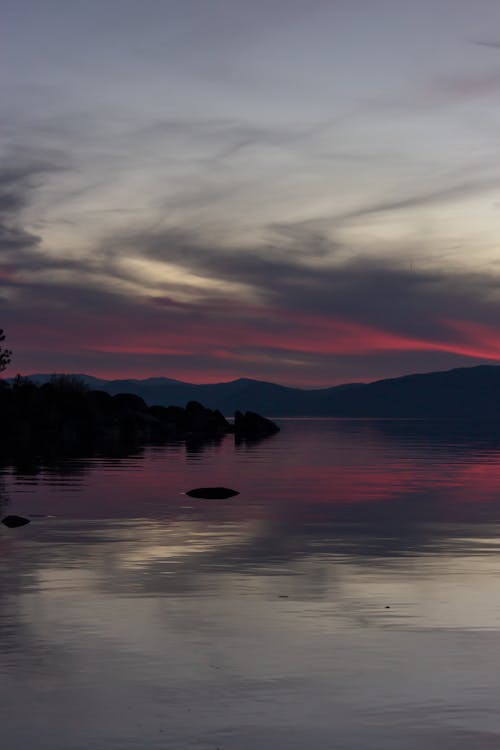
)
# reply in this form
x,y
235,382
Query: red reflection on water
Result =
x,y
327,467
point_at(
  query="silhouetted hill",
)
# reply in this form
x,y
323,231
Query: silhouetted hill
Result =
x,y
463,392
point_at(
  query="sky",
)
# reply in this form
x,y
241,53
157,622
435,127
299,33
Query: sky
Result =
x,y
300,191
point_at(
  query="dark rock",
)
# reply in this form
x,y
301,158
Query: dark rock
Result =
x,y
195,421
212,493
13,521
205,421
252,425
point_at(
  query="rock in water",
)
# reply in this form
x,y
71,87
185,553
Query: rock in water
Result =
x,y
252,425
13,521
212,493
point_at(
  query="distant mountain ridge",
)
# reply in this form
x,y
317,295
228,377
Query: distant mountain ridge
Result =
x,y
462,392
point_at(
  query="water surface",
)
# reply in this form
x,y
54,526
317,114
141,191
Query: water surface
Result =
x,y
349,597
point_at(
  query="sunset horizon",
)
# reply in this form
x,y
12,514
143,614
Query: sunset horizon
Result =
x,y
193,379
301,193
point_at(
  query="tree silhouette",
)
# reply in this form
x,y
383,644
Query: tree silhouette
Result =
x,y
5,354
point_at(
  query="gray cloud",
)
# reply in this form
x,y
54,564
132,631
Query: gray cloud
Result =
x,y
487,43
432,197
378,293
13,238
19,177
299,271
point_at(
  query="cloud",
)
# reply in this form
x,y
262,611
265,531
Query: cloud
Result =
x,y
430,198
13,238
292,303
487,43
306,317
303,269
436,93
19,176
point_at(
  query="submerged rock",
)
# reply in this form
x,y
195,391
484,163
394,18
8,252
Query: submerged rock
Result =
x,y
13,521
212,493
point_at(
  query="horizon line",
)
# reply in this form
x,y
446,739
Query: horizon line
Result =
x,y
243,378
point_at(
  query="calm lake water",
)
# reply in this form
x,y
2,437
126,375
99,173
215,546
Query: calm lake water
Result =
x,y
348,598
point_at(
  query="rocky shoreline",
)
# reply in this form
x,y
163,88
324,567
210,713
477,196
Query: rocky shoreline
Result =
x,y
64,412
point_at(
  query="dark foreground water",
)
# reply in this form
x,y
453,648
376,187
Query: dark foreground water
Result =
x,y
348,598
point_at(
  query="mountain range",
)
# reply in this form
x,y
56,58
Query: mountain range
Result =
x,y
462,392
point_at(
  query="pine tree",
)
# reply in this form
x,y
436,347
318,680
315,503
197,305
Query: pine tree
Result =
x,y
5,354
